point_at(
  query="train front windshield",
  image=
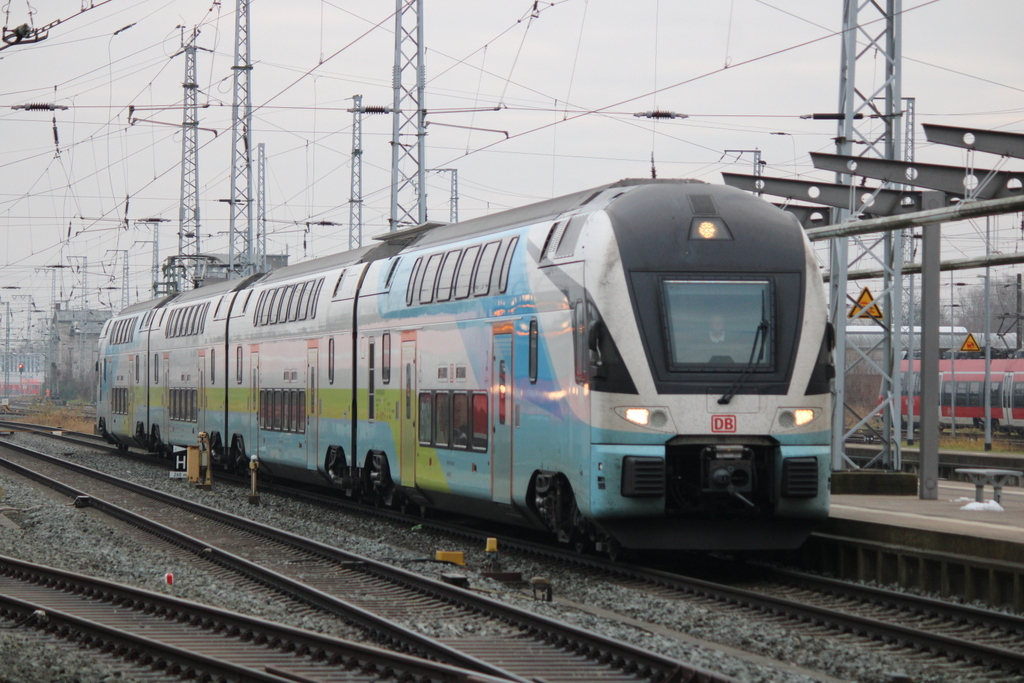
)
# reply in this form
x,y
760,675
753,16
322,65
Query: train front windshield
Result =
x,y
718,324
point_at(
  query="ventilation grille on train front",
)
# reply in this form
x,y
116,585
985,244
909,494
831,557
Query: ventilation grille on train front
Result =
x,y
643,477
800,477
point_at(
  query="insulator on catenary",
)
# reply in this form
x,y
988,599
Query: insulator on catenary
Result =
x,y
659,114
376,109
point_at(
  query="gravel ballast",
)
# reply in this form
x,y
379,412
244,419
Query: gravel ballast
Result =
x,y
54,533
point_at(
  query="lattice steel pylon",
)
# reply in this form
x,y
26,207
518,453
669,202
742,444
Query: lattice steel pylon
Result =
x,y
865,38
189,247
355,197
409,129
241,250
260,259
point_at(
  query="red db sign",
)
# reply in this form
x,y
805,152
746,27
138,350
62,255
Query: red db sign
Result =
x,y
723,423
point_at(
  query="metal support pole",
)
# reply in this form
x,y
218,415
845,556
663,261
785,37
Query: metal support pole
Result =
x,y
988,344
929,459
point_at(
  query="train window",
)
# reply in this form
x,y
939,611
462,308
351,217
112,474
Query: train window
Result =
x,y
460,420
391,274
138,363
161,321
216,310
202,319
996,392
257,315
302,297
533,351
193,404
268,308
715,323
296,299
975,398
429,279
567,241
506,264
412,281
464,275
441,420
961,393
213,366
385,358
330,360
556,230
314,297
337,285
300,411
408,391
245,305
185,324
156,368
371,409
426,417
280,312
479,416
482,278
1018,392
238,365
103,332
447,276
275,409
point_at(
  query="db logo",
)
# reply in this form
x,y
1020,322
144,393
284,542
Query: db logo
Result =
x,y
723,423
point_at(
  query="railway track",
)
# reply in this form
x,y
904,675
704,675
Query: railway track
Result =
x,y
374,595
187,640
871,615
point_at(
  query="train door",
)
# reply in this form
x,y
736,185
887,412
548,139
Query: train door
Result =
x,y
201,394
165,420
1006,402
501,418
254,400
408,410
312,409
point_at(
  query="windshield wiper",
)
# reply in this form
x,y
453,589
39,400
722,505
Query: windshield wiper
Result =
x,y
762,335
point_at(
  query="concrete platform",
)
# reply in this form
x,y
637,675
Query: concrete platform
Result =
x,y
931,545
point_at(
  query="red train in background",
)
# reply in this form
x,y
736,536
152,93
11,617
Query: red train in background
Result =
x,y
962,393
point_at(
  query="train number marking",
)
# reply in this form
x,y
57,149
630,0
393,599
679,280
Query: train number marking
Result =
x,y
723,423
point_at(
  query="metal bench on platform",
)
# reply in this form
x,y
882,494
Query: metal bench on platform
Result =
x,y
997,479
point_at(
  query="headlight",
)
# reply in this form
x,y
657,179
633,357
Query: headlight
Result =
x,y
655,418
796,417
639,416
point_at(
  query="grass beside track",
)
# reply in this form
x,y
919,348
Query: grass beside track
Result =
x,y
63,417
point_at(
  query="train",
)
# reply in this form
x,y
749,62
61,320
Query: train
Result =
x,y
644,365
962,392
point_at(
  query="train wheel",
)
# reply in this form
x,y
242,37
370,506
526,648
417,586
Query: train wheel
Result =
x,y
380,479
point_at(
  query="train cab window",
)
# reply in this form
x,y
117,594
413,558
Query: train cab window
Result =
x,y
426,291
480,426
716,323
506,264
447,276
385,358
411,288
441,420
460,420
482,278
464,275
426,418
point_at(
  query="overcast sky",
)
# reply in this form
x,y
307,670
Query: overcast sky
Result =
x,y
563,82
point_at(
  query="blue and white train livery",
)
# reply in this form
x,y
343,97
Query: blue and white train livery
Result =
x,y
641,365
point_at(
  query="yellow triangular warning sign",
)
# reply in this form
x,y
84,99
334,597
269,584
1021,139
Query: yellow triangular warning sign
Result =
x,y
865,301
970,344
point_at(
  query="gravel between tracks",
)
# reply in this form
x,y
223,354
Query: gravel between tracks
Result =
x,y
55,533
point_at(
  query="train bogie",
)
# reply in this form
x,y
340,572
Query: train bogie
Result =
x,y
642,365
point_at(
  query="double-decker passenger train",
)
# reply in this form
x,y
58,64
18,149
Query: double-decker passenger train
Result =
x,y
640,365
